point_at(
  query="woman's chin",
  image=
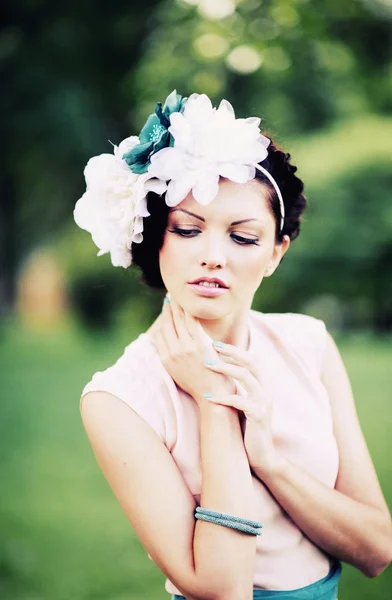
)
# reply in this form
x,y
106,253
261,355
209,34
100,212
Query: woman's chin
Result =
x,y
204,312
203,307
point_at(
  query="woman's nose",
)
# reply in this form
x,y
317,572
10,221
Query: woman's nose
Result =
x,y
213,253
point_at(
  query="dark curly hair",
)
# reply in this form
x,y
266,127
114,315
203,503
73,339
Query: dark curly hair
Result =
x,y
146,254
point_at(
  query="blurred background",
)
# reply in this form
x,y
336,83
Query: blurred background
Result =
x,y
78,74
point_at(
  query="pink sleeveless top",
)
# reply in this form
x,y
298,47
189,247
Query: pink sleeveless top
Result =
x,y
290,347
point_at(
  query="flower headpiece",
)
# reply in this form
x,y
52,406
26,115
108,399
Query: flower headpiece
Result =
x,y
185,146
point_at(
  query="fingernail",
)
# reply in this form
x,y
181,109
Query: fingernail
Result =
x,y
207,396
166,300
218,344
210,362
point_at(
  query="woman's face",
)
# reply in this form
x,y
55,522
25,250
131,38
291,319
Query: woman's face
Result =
x,y
209,243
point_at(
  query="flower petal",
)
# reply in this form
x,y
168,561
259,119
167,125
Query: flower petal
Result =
x,y
172,103
138,154
206,188
98,169
156,185
226,107
180,130
254,121
127,145
198,109
177,190
260,150
113,205
237,173
148,129
120,257
167,164
264,140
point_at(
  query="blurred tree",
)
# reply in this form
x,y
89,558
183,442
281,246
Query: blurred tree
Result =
x,y
63,66
79,74
317,61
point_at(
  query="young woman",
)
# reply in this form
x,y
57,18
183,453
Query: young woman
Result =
x,y
229,436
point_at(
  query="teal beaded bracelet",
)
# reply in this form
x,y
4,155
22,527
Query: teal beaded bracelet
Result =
x,y
229,524
221,515
231,521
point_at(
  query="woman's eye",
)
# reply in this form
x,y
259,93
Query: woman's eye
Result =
x,y
184,232
244,241
193,232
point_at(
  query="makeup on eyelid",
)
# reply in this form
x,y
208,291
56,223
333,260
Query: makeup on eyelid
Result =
x,y
188,228
240,240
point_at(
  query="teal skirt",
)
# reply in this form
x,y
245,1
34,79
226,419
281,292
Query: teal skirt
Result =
x,y
323,589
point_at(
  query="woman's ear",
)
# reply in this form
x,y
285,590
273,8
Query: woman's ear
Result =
x,y
278,253
284,246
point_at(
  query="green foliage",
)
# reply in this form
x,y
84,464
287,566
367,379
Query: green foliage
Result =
x,y
78,75
320,61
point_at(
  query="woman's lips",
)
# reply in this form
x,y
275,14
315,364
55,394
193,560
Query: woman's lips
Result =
x,y
206,291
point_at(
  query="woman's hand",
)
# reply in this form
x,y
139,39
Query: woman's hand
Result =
x,y
253,401
184,346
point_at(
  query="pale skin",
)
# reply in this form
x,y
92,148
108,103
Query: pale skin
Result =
x,y
352,521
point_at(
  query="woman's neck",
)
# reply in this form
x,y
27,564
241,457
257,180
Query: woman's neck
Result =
x,y
233,331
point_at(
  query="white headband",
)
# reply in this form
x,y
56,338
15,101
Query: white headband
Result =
x,y
277,190
186,146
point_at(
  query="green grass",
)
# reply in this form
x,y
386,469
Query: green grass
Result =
x,y
63,534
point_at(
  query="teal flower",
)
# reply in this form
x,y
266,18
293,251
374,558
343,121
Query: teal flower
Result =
x,y
155,135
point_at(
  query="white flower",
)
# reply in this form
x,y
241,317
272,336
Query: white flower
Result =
x,y
208,143
114,204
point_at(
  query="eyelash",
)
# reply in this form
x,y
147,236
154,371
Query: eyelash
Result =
x,y
242,242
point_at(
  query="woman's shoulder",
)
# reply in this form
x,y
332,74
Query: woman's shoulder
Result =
x,y
137,361
305,334
137,378
290,322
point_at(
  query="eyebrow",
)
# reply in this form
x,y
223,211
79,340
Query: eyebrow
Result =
x,y
188,212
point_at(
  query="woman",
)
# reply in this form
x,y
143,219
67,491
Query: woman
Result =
x,y
241,464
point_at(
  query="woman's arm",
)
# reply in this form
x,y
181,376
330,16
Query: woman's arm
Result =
x,y
352,521
223,554
204,561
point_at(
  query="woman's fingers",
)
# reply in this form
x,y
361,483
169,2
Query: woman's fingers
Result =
x,y
175,329
160,344
196,330
241,391
169,330
173,313
237,356
193,325
238,402
187,326
245,378
180,324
